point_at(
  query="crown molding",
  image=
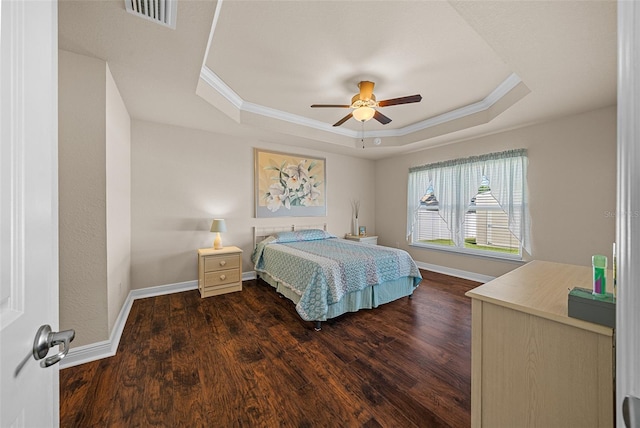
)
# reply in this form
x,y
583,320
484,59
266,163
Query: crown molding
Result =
x,y
485,104
503,89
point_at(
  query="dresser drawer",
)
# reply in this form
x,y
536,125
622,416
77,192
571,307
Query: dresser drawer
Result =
x,y
221,277
216,263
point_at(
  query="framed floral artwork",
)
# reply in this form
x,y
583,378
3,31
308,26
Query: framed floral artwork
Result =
x,y
288,185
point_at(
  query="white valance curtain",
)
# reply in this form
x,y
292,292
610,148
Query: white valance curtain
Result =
x,y
455,182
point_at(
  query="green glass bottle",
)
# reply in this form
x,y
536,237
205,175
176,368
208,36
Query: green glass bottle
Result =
x,y
599,264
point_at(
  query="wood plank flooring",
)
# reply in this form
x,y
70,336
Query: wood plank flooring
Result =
x,y
247,359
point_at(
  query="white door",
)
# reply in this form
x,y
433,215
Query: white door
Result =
x,y
28,208
628,207
628,213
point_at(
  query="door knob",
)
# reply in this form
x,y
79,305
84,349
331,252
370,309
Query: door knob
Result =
x,y
631,411
46,339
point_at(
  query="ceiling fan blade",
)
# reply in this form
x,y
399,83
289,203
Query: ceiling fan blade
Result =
x,y
366,89
402,100
381,118
331,105
343,120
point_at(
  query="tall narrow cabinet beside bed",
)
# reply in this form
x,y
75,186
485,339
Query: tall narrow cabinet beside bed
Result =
x,y
532,365
219,271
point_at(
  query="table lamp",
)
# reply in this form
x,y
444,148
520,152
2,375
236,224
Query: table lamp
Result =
x,y
218,225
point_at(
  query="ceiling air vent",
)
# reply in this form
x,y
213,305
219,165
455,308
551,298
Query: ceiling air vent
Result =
x,y
162,12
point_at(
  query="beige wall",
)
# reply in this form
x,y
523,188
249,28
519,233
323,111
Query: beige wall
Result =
x,y
183,178
118,170
95,198
572,187
82,197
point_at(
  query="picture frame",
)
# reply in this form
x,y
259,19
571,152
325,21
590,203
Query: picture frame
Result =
x,y
363,230
289,185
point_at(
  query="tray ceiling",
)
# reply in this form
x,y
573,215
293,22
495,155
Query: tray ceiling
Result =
x,y
255,67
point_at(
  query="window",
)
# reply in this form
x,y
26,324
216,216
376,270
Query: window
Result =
x,y
476,204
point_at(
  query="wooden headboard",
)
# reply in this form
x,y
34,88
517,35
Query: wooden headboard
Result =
x,y
261,232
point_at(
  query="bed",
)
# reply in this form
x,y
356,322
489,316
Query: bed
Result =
x,y
326,276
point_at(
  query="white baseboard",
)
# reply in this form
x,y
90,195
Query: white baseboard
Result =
x,y
455,272
107,348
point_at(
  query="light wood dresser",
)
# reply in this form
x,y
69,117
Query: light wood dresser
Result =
x,y
531,364
219,271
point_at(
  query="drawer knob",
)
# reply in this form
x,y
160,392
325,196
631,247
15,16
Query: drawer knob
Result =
x,y
223,277
223,262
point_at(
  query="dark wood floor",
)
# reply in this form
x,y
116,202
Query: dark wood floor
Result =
x,y
247,360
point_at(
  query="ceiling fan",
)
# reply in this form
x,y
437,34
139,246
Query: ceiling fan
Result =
x,y
364,104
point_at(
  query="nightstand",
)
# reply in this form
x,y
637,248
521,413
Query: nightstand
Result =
x,y
219,271
367,239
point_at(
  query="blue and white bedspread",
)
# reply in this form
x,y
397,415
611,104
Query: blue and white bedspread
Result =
x,y
322,271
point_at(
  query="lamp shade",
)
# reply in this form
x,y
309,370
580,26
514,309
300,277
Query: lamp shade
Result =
x,y
363,114
218,225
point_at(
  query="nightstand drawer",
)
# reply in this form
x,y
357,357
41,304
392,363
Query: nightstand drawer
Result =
x,y
221,289
221,277
216,263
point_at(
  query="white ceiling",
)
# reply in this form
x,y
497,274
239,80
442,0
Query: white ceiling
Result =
x,y
253,68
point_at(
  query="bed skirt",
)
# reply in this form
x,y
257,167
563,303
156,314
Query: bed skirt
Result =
x,y
370,297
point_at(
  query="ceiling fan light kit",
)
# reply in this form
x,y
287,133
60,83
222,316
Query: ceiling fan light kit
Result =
x,y
364,105
363,114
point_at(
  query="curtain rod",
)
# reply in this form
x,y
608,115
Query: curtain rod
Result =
x,y
472,159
